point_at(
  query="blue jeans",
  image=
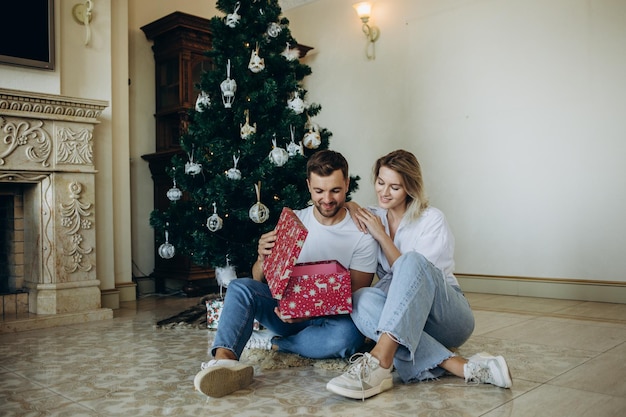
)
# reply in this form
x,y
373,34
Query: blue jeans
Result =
x,y
421,311
318,338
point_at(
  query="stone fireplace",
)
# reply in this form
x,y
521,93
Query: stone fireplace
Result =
x,y
47,200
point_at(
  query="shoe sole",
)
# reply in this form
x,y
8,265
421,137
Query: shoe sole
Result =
x,y
386,384
219,381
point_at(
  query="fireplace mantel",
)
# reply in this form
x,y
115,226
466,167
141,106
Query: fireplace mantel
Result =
x,y
46,144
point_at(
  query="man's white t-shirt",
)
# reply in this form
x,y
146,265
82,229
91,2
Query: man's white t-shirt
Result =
x,y
341,242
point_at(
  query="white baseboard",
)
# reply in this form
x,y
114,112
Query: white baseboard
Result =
x,y
601,291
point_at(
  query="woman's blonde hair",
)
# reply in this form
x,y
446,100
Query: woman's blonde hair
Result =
x,y
406,164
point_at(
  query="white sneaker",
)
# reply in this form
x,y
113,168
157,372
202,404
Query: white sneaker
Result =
x,y
260,340
222,377
483,368
364,378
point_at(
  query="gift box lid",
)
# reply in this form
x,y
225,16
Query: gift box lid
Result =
x,y
278,266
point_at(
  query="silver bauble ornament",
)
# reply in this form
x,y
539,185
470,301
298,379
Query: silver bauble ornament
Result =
x,y
296,103
192,168
294,149
278,156
214,222
258,213
234,173
312,138
167,250
174,193
274,29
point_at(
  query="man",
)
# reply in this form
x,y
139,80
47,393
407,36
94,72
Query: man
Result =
x,y
332,235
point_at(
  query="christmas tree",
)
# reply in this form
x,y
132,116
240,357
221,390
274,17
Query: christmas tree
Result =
x,y
247,142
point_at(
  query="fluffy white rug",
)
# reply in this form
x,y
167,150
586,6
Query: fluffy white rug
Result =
x,y
267,359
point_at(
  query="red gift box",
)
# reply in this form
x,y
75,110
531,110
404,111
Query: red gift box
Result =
x,y
307,289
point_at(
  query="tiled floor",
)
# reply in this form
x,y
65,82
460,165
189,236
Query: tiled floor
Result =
x,y
566,357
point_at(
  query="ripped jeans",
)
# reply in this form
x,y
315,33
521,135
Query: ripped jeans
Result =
x,y
421,311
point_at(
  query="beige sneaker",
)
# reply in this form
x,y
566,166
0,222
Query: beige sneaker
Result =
x,y
222,377
364,378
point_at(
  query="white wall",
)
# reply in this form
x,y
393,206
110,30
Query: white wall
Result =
x,y
520,107
515,109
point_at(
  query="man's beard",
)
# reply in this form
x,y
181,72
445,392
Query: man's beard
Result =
x,y
328,213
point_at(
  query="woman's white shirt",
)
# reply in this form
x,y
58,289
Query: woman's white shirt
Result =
x,y
429,235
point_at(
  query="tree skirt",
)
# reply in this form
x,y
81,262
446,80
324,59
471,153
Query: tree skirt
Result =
x,y
193,317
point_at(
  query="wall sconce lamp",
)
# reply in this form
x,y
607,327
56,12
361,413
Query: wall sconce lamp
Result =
x,y
82,13
364,10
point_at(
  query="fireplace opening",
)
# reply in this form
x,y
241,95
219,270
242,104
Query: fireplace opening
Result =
x,y
11,238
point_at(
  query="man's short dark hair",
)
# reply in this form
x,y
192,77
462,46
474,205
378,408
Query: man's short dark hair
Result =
x,y
325,162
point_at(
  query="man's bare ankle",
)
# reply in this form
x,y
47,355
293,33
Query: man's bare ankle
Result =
x,y
222,353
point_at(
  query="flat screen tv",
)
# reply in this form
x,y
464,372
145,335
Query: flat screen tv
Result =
x,y
27,33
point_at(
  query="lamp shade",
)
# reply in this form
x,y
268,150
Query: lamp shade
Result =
x,y
363,9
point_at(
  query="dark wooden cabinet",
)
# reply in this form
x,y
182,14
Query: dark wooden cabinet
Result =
x,y
180,42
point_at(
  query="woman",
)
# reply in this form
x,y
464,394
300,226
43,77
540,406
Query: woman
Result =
x,y
417,312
